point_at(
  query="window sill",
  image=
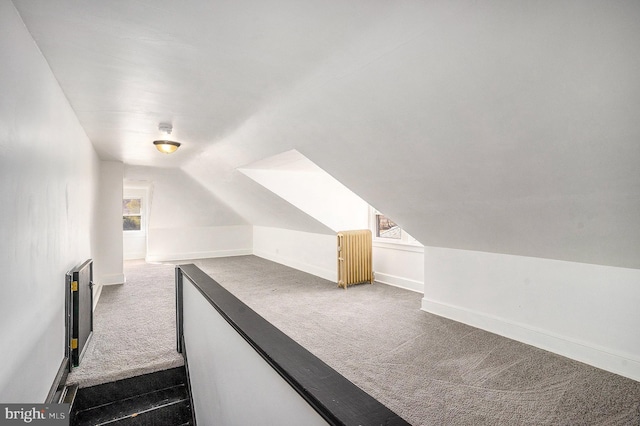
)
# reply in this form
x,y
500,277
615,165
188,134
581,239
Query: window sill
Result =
x,y
399,245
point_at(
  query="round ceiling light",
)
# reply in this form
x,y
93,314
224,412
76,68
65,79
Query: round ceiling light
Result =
x,y
166,146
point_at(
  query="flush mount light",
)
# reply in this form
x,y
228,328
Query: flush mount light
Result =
x,y
166,146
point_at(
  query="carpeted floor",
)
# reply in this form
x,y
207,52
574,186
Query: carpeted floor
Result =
x,y
134,328
430,370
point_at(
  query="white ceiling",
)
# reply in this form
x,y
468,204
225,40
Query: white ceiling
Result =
x,y
509,127
203,66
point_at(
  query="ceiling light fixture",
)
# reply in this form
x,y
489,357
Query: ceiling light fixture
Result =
x,y
164,145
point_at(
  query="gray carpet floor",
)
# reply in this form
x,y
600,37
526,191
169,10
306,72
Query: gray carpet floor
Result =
x,y
428,369
134,329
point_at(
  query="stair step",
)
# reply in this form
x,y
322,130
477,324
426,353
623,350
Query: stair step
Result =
x,y
178,413
160,398
127,388
171,403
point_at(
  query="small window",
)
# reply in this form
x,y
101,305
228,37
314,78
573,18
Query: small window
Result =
x,y
131,214
386,228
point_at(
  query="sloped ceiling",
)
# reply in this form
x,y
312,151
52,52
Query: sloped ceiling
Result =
x,y
178,201
297,180
507,127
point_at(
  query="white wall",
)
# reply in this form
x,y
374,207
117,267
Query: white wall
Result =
x,y
230,382
49,181
251,200
305,251
186,221
134,245
108,268
199,242
399,265
582,311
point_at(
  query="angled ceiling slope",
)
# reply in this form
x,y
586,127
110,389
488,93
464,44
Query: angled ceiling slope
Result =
x,y
505,127
300,182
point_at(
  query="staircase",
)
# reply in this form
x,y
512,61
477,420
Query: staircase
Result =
x,y
160,398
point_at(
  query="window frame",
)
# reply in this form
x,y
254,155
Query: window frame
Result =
x,y
140,215
404,240
142,195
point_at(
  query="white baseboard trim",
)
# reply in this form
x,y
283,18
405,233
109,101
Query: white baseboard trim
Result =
x,y
610,360
167,257
134,256
405,283
96,294
111,279
301,266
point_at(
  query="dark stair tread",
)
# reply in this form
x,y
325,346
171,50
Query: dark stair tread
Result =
x,y
178,413
138,404
126,388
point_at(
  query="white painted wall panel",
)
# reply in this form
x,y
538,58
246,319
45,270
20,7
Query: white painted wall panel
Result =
x,y
134,246
582,311
49,176
231,383
305,251
199,242
399,265
109,251
317,254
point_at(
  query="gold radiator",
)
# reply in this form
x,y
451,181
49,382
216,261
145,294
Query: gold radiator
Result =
x,y
355,260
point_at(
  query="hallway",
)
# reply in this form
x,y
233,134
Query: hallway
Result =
x,y
134,327
428,369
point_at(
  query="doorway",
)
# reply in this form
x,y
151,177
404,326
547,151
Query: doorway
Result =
x,y
135,208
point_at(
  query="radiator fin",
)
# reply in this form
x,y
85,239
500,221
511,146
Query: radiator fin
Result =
x,y
355,260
